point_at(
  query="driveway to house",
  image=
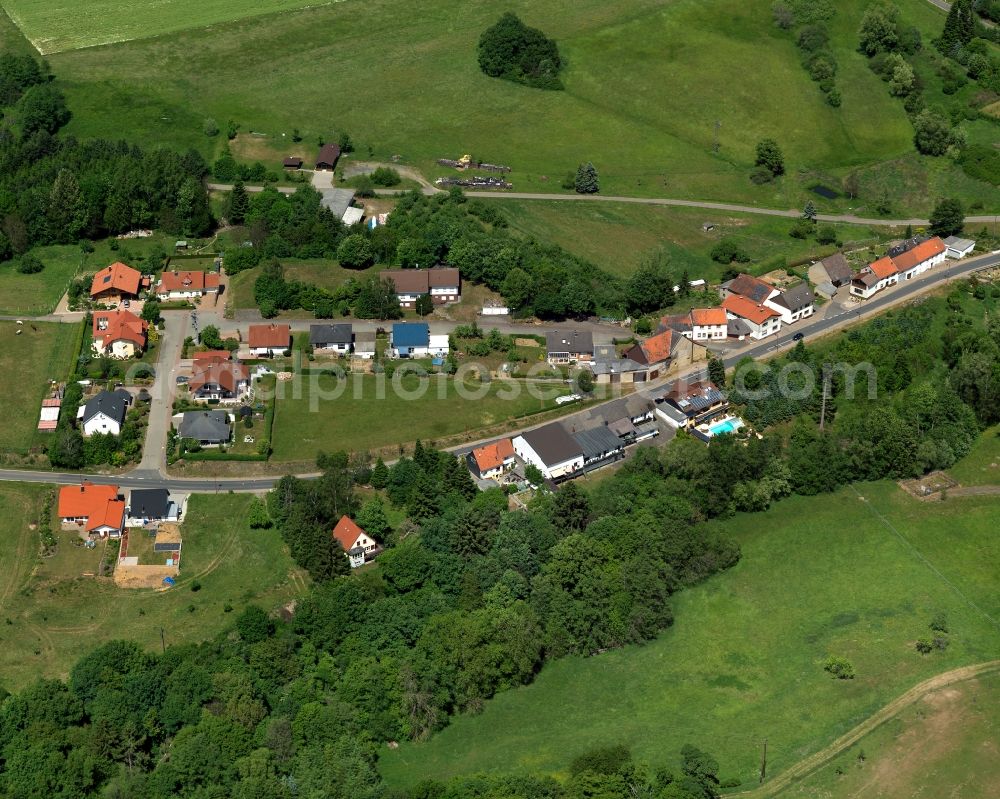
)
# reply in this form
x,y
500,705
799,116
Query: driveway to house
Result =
x,y
150,473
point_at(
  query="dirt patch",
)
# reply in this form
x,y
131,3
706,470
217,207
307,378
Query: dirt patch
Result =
x,y
933,486
143,576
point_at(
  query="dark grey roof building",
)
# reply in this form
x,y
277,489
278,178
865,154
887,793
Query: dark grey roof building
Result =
x,y
324,336
837,269
569,344
113,404
797,298
552,443
599,444
206,427
149,503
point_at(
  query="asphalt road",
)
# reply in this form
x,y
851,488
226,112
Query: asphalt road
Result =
x,y
147,476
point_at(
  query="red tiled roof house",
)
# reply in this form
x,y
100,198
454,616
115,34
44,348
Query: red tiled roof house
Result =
x,y
115,283
95,509
186,285
268,341
355,542
492,460
119,333
761,320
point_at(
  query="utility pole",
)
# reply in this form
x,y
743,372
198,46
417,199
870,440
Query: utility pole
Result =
x,y
826,385
763,762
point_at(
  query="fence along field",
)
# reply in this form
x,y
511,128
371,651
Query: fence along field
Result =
x,y
57,25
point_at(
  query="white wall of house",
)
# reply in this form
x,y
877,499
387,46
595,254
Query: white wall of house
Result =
x,y
865,293
268,352
101,423
438,344
924,266
956,253
407,300
116,349
707,332
758,331
444,293
788,316
341,348
551,471
179,294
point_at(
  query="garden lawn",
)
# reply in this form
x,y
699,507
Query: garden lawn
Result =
x,y
28,362
361,419
60,612
38,294
687,64
619,237
820,576
318,272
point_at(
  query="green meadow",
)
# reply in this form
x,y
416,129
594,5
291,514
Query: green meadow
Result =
x,y
857,574
646,82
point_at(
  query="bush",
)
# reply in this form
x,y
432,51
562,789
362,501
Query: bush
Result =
x,y
386,176
29,265
826,234
839,667
211,127
939,623
924,645
727,251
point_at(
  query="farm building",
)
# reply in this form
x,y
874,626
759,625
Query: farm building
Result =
x,y
328,156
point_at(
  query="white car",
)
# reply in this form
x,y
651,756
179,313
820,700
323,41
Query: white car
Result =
x,y
567,398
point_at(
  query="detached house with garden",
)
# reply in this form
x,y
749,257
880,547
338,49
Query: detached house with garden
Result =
x,y
115,283
119,333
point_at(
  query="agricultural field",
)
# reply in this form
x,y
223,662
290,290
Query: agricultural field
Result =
x,y
53,611
65,25
944,745
42,352
684,62
858,574
365,417
618,237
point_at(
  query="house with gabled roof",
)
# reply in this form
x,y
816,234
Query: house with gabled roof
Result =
x,y
569,346
490,461
94,509
706,324
443,284
761,320
919,259
904,262
793,304
218,379
687,405
115,283
208,428
176,285
873,278
105,412
837,269
118,333
269,341
331,338
551,449
748,286
357,545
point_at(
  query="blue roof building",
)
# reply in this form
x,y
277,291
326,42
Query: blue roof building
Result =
x,y
410,338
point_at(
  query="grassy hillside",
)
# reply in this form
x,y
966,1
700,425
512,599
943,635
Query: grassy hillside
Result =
x,y
830,575
53,610
645,83
945,745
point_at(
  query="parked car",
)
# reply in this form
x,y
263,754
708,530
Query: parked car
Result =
x,y
798,337
567,398
182,379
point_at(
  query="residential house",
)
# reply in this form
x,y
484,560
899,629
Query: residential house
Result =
x,y
616,371
208,428
653,353
149,505
707,324
268,341
762,320
569,346
119,333
331,338
490,461
873,278
793,304
443,284
292,162
837,269
551,449
748,286
958,248
95,509
352,215
215,378
415,340
921,258
328,156
115,283
599,445
175,285
356,543
688,405
337,201
105,412
364,345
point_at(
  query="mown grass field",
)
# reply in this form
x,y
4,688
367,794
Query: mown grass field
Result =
x,y
646,81
37,294
56,25
830,575
982,465
945,745
52,613
325,274
618,237
367,417
28,361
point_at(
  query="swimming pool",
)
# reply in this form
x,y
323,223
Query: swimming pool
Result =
x,y
730,425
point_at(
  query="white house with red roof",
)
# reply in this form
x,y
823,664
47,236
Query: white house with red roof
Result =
x,y
119,333
492,460
175,285
707,324
268,341
921,258
891,269
94,509
356,543
873,278
761,320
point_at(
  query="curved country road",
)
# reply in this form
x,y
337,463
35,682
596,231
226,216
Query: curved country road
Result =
x,y
805,767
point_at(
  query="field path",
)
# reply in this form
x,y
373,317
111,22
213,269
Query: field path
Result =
x,y
805,767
